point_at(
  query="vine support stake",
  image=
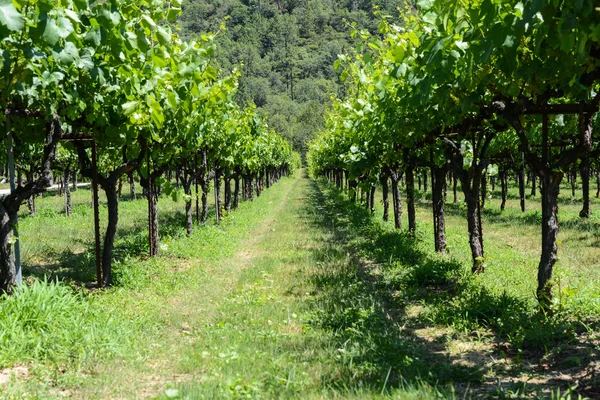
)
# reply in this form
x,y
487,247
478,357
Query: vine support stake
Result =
x,y
96,213
11,167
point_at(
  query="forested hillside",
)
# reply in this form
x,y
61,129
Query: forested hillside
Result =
x,y
285,50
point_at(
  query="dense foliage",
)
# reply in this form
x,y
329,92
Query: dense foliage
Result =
x,y
116,75
475,89
285,51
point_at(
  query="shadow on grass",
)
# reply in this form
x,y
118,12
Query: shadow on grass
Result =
x,y
358,306
78,267
494,215
368,276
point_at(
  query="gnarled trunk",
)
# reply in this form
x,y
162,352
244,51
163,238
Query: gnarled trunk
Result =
x,y
119,187
395,177
257,184
236,191
439,218
109,185
204,181
383,179
250,187
268,178
504,188
550,190
454,196
204,200
31,199
410,198
8,271
585,187
153,237
522,187
67,192
112,200
10,204
74,180
188,217
227,185
573,180
474,227
353,188
218,195
186,181
31,205
551,173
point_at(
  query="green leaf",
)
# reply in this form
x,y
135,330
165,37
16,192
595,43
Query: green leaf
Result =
x,y
147,22
425,4
86,63
72,15
173,13
172,99
132,39
163,35
211,72
414,39
156,111
67,55
51,35
336,64
509,41
65,27
94,37
344,76
56,29
462,45
142,40
108,18
130,107
399,54
10,17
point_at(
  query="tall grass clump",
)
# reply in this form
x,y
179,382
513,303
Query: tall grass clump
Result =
x,y
51,323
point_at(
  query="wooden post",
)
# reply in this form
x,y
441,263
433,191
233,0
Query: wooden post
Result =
x,y
11,169
96,213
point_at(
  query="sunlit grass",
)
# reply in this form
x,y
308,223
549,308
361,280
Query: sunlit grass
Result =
x,y
299,294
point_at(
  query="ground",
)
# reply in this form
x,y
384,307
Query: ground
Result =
x,y
301,294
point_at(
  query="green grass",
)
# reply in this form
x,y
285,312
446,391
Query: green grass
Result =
x,y
478,320
299,294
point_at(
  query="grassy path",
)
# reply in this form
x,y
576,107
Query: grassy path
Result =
x,y
280,317
224,329
299,294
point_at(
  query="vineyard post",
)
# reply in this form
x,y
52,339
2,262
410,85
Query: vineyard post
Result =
x,y
11,167
197,192
96,213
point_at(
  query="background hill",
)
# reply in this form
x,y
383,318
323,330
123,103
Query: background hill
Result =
x,y
287,48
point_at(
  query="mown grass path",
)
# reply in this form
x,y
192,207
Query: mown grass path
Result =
x,y
302,294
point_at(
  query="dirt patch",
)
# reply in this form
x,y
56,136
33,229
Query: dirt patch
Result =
x,y
8,374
